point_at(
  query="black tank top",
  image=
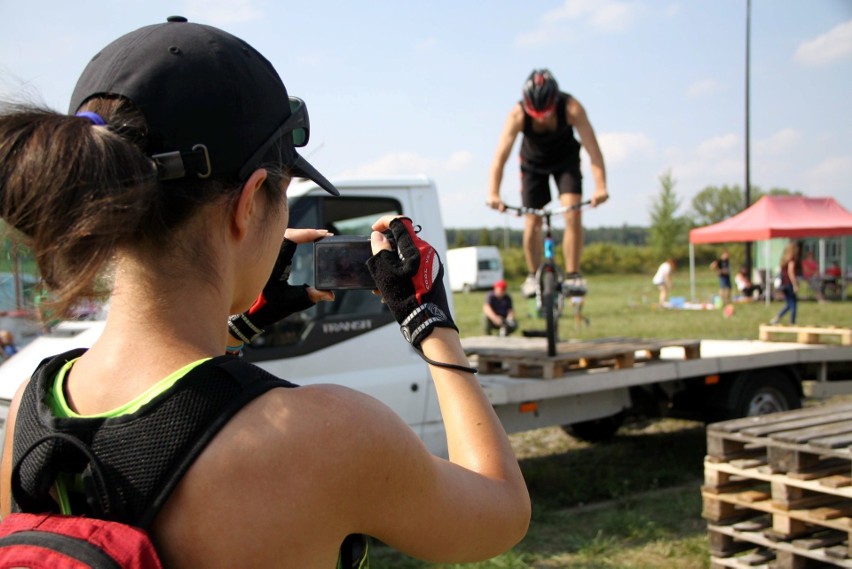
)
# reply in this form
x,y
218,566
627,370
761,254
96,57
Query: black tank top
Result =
x,y
142,455
553,151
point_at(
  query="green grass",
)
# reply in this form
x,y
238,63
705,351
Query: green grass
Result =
x,y
619,306
633,502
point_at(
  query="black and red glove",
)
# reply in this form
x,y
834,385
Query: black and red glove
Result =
x,y
411,280
278,299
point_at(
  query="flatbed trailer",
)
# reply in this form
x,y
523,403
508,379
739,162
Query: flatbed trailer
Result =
x,y
593,386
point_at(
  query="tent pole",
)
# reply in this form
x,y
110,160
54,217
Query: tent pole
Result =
x,y
768,283
692,272
842,279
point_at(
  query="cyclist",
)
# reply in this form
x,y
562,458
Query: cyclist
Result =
x,y
548,117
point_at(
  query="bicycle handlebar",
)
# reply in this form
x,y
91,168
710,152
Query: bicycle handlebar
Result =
x,y
542,212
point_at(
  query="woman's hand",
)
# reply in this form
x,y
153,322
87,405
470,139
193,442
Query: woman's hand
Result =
x,y
299,236
378,240
408,272
279,298
305,235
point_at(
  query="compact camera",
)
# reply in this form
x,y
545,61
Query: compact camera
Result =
x,y
340,263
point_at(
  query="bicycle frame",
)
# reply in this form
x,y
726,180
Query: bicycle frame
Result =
x,y
548,275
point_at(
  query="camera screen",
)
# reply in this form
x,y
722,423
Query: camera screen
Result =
x,y
341,263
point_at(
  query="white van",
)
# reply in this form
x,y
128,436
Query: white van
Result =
x,y
473,268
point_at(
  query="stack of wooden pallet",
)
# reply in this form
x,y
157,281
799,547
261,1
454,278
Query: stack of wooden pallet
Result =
x,y
778,489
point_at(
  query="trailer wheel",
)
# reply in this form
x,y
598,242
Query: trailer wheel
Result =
x,y
763,393
596,430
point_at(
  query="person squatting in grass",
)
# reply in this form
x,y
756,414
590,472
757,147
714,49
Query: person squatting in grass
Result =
x,y
498,312
547,117
171,171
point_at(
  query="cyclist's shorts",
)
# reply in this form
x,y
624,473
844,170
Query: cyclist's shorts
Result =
x,y
535,186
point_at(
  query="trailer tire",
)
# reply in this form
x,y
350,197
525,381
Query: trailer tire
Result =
x,y
596,430
762,393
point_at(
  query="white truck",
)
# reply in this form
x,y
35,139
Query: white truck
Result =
x,y
474,268
354,341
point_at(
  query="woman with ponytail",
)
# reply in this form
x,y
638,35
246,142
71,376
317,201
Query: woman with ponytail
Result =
x,y
164,186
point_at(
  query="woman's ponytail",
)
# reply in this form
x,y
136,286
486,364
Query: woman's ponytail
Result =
x,y
74,189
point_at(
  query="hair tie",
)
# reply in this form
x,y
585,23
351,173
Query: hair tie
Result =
x,y
94,117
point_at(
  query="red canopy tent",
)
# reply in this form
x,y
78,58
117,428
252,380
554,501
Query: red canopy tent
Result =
x,y
773,217
779,216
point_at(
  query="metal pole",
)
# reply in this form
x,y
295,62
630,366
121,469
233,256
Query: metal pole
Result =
x,y
747,190
691,272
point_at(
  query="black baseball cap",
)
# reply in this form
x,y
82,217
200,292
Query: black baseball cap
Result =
x,y
214,105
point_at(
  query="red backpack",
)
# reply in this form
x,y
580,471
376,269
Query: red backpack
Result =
x,y
53,541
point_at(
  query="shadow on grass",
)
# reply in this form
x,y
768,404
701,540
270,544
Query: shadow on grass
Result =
x,y
654,521
630,463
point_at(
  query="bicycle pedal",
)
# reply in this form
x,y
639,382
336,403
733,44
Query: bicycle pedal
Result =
x,y
577,291
574,285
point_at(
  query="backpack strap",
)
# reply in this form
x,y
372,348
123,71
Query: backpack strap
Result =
x,y
255,382
101,496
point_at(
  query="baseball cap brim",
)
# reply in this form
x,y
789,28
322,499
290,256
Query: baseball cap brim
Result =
x,y
303,169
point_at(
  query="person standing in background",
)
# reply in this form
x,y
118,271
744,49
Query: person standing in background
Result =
x,y
663,279
810,272
722,266
791,268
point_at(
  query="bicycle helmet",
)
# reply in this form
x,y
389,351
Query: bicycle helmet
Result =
x,y
540,93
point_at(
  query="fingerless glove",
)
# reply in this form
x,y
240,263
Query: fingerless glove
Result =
x,y
411,280
278,299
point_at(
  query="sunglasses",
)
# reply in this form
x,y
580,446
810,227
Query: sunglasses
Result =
x,y
297,125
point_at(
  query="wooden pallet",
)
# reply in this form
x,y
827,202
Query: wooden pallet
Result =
x,y
795,442
805,334
616,353
817,550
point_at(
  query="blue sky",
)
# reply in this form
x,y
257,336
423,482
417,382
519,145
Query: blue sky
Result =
x,y
400,88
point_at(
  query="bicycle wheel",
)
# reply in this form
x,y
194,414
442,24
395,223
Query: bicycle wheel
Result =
x,y
549,307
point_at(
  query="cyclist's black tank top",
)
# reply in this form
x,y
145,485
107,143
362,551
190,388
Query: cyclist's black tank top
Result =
x,y
549,152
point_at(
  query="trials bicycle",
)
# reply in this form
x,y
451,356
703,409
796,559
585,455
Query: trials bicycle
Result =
x,y
550,287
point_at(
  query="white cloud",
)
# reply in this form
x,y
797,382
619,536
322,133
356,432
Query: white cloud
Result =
x,y
618,147
223,12
612,16
717,146
459,160
562,24
717,160
408,163
831,46
823,178
702,88
782,141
